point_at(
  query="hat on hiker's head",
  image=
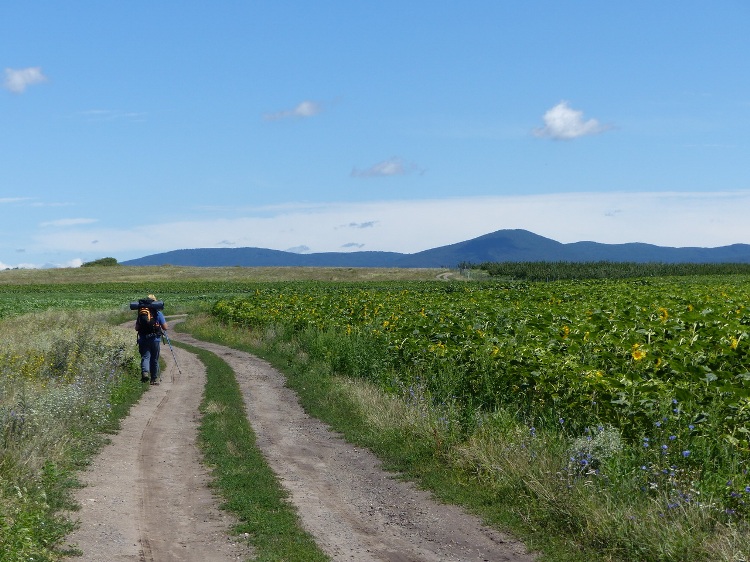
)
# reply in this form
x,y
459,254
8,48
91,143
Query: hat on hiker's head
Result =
x,y
152,297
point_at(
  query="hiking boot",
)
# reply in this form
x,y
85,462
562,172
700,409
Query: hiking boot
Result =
x,y
154,383
144,377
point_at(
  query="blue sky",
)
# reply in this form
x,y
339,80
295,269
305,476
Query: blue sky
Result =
x,y
128,129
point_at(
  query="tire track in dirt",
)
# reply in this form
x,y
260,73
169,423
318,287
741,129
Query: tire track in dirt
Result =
x,y
353,508
146,495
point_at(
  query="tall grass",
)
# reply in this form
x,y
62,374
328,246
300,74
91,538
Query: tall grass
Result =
x,y
64,379
576,495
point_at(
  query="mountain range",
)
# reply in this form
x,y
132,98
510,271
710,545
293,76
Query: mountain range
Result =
x,y
501,246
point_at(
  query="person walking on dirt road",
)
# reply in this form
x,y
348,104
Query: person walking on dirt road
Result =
x,y
150,326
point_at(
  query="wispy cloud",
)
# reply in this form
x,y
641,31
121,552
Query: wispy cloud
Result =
x,y
562,122
392,167
366,224
77,262
302,110
12,199
99,115
17,80
299,249
33,202
352,245
68,222
51,204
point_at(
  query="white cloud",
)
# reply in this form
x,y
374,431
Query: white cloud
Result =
x,y
18,266
715,219
563,123
302,110
392,167
77,262
18,80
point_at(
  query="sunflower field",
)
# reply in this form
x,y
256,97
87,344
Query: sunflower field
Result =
x,y
625,353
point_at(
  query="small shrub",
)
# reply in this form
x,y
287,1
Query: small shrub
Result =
x,y
102,262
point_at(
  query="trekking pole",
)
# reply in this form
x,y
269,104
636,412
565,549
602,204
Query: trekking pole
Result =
x,y
169,343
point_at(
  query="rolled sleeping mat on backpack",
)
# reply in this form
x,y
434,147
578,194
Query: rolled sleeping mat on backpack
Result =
x,y
153,305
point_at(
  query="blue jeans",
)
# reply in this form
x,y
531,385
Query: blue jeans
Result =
x,y
148,347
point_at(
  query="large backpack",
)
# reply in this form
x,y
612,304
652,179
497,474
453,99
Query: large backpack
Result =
x,y
147,321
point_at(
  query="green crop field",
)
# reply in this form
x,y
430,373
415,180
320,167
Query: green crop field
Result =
x,y
619,352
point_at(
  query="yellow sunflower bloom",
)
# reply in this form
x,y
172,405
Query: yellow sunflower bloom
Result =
x,y
637,352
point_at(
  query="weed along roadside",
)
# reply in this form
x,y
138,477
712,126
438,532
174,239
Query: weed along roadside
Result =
x,y
339,493
67,379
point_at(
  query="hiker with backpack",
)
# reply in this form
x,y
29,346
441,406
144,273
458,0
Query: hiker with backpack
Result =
x,y
150,326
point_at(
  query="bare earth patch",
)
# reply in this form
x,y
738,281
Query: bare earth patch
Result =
x,y
146,497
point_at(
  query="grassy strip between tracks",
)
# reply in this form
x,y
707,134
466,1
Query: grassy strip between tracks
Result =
x,y
241,474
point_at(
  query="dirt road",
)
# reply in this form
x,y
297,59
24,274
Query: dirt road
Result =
x,y
146,497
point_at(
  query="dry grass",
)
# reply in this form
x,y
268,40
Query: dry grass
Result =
x,y
120,274
386,411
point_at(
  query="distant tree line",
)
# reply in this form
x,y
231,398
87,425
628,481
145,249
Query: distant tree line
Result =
x,y
551,271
